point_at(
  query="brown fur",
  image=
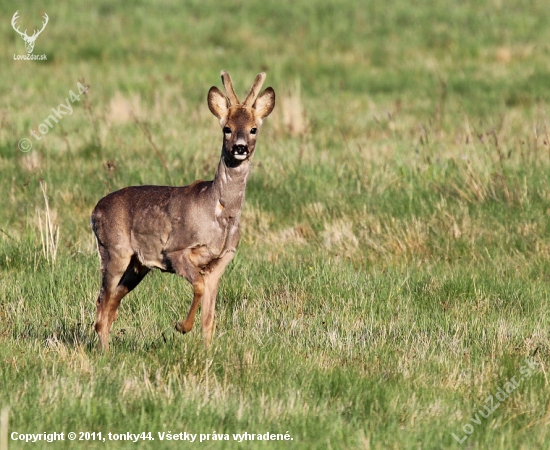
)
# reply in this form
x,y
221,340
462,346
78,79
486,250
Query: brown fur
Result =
x,y
192,231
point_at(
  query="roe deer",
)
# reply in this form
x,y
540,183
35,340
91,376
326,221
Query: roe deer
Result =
x,y
192,231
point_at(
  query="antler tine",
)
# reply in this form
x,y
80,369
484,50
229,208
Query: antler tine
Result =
x,y
255,90
228,85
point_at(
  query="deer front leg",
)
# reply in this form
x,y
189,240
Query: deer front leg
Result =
x,y
185,326
211,283
184,267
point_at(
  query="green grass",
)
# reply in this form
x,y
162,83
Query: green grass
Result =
x,y
394,260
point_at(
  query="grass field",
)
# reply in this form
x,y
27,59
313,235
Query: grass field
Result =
x,y
392,277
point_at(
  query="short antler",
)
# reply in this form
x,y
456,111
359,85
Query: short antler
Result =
x,y
255,90
228,85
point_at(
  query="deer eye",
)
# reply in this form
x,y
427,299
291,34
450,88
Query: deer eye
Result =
x,y
227,130
253,131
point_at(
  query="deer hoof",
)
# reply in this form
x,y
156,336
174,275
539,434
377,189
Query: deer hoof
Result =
x,y
183,328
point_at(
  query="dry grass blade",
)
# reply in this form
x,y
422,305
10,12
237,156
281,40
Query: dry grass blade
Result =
x,y
49,231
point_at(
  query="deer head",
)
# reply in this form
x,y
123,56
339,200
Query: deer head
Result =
x,y
240,122
29,40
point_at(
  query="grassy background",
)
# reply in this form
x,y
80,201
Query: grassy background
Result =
x,y
394,260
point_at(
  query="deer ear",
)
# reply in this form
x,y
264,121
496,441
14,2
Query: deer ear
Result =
x,y
265,103
217,103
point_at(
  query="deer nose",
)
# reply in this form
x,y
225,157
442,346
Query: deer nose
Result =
x,y
240,149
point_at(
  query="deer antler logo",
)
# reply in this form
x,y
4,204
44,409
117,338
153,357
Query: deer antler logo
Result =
x,y
29,40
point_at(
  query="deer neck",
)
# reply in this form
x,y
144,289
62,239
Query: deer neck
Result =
x,y
229,185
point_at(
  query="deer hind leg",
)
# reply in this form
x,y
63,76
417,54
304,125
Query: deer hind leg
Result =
x,y
120,276
211,284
